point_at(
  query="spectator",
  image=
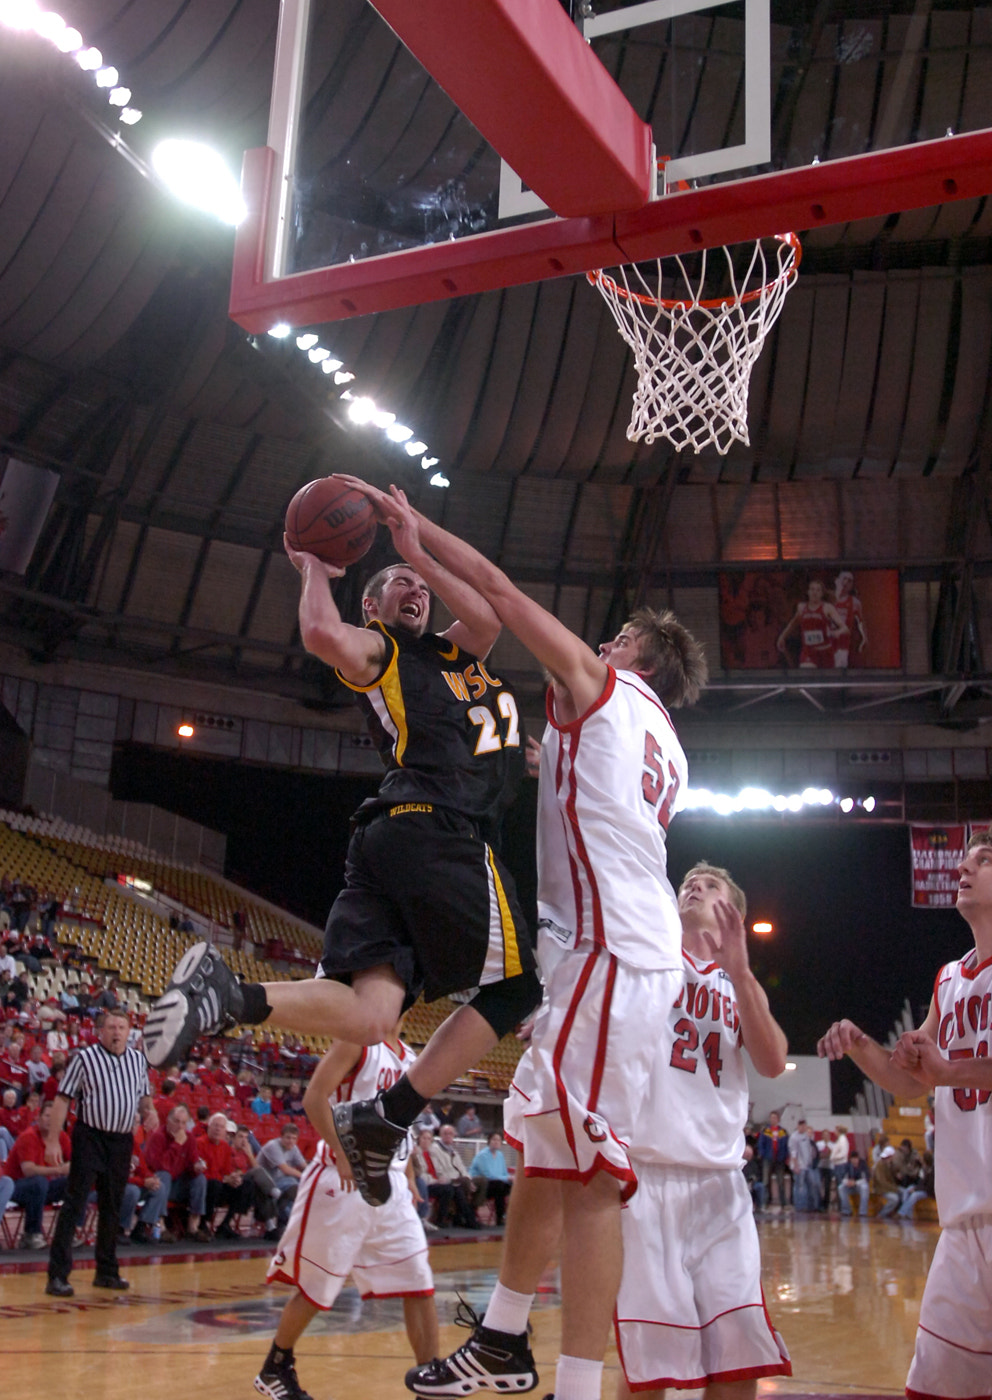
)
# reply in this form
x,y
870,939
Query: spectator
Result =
x,y
201,1121
37,1070
753,1176
803,1159
245,1091
242,1152
443,1167
32,1182
908,1166
468,1125
276,1176
292,1099
8,967
489,1169
40,949
773,1149
884,1182
854,1183
431,1188
427,1120
11,1121
840,1151
446,1114
48,913
262,1103
173,1152
226,1185
14,1074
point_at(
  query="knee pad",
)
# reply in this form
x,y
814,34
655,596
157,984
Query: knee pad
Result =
x,y
505,1004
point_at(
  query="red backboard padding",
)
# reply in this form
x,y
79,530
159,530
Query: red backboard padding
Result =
x,y
527,80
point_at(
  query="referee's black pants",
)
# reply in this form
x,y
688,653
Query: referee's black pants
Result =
x,y
105,1158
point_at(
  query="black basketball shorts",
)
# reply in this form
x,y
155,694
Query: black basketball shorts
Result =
x,y
427,896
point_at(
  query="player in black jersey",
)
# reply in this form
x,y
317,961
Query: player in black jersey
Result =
x,y
427,903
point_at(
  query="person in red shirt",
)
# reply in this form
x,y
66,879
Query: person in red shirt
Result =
x,y
226,1185
13,1120
172,1151
29,1182
14,1074
155,1190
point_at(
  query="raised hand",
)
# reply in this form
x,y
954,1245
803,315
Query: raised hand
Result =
x,y
842,1037
299,559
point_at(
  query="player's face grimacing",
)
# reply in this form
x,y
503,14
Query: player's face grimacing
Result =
x,y
623,653
697,896
405,601
975,878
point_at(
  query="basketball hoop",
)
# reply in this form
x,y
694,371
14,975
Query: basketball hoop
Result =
x,y
694,354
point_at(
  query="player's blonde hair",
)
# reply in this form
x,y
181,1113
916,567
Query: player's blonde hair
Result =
x,y
671,660
737,896
980,838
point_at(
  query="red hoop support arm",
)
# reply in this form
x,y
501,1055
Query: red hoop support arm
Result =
x,y
857,187
528,81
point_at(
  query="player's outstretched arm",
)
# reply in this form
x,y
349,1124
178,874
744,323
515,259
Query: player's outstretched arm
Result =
x,y
564,655
763,1038
332,1070
357,652
845,1038
476,625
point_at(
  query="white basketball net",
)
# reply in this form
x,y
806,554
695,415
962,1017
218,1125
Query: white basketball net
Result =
x,y
693,355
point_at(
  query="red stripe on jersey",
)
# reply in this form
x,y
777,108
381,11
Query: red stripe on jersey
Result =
x,y
315,1167
599,1063
559,1051
598,934
574,724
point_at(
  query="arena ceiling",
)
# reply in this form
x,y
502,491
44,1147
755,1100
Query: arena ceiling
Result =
x,y
178,439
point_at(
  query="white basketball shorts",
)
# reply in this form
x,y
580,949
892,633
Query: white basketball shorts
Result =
x,y
690,1309
332,1233
580,1087
953,1356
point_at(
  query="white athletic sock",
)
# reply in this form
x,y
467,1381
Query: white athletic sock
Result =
x,y
507,1311
578,1379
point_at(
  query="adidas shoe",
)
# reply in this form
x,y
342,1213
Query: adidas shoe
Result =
x,y
202,998
489,1360
278,1380
370,1142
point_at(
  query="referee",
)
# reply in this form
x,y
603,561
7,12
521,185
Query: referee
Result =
x,y
108,1079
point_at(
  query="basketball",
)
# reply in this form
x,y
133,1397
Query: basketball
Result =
x,y
331,520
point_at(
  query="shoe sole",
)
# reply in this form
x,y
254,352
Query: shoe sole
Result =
x,y
173,1024
500,1385
273,1394
374,1191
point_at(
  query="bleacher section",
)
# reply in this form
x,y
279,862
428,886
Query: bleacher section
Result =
x,y
139,947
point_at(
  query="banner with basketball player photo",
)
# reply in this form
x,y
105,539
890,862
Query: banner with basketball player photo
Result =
x,y
810,619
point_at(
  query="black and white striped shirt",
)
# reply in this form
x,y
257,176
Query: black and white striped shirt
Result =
x,y
108,1087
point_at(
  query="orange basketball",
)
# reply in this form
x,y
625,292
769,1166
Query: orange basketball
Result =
x,y
331,520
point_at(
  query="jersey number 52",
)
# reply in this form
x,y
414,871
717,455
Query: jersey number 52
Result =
x,y
659,781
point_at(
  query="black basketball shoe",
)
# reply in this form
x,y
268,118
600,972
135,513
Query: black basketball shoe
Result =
x,y
277,1379
202,998
370,1142
489,1360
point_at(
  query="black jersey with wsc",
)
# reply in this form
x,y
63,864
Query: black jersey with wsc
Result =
x,y
446,728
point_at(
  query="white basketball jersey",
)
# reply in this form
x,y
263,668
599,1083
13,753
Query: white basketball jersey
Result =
x,y
963,1117
697,1103
378,1067
610,783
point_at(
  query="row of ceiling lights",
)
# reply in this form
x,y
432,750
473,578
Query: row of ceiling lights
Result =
x,y
362,410
197,175
751,799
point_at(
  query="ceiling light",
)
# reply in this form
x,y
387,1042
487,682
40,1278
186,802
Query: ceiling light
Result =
x,y
280,330
847,804
108,78
343,376
120,97
68,40
347,394
19,14
439,479
304,342
397,433
414,449
130,115
869,804
789,1064
198,175
763,928
383,419
49,26
89,60
317,354
361,410
185,730
329,366
428,462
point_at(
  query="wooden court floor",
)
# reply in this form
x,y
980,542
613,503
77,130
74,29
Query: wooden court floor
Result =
x,y
844,1294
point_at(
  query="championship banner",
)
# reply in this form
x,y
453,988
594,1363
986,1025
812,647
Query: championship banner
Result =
x,y
936,853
